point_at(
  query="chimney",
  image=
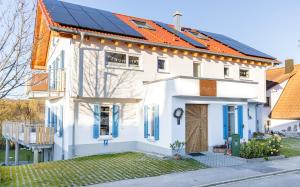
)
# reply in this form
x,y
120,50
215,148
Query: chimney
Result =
x,y
289,65
177,16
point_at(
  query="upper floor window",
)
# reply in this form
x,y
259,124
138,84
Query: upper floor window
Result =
x,y
244,73
122,60
196,69
142,24
162,65
226,72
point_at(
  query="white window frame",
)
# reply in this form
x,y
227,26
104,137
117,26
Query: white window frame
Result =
x,y
245,69
229,72
235,120
109,136
151,121
139,67
199,69
166,70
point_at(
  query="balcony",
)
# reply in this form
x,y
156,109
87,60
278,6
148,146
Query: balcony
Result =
x,y
29,135
220,88
46,84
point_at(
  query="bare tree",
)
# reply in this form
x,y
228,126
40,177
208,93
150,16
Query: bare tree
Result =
x,y
16,35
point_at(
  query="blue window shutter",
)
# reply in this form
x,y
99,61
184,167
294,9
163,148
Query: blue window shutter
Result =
x,y
96,121
115,125
55,120
225,122
62,60
240,120
145,121
61,117
156,122
52,118
48,117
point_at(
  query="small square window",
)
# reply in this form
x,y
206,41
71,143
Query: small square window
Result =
x,y
142,24
244,74
226,72
161,65
134,61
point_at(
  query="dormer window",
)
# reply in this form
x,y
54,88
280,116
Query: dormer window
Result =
x,y
198,35
142,24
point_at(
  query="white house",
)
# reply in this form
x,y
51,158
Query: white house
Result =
x,y
113,82
281,112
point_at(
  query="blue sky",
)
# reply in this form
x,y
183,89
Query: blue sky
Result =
x,y
271,26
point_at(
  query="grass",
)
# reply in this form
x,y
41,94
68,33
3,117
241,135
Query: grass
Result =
x,y
290,147
24,155
93,170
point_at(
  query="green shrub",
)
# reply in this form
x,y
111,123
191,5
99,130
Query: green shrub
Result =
x,y
261,148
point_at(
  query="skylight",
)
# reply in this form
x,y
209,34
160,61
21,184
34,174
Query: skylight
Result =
x,y
142,24
198,35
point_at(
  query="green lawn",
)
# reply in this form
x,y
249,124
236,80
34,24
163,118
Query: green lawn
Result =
x,y
24,155
93,170
291,147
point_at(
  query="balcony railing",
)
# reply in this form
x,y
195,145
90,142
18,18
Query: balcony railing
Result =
x,y
28,134
44,84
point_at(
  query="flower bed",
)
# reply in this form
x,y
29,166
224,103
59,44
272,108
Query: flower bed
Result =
x,y
261,148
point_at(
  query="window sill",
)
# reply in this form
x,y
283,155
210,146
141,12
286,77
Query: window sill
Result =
x,y
124,68
151,139
163,72
106,137
245,79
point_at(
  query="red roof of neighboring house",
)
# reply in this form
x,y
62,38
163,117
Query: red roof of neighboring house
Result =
x,y
288,104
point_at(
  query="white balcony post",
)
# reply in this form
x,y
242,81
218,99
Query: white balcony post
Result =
x,y
6,152
17,153
35,155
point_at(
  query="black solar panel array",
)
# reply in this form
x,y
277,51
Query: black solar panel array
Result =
x,y
180,35
88,18
236,45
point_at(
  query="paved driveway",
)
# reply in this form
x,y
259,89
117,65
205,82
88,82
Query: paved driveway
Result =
x,y
212,175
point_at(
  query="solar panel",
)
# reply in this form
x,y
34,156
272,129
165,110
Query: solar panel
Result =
x,y
88,18
247,50
180,35
59,13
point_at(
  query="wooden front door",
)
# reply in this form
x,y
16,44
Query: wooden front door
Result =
x,y
196,131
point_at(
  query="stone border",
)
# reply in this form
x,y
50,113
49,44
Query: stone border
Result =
x,y
269,158
248,178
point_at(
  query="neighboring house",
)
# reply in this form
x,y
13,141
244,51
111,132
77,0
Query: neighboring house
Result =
x,y
282,109
114,82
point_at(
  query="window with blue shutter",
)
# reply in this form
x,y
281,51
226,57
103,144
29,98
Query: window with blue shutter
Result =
x,y
48,117
96,124
115,125
240,121
55,120
156,122
60,133
145,121
225,122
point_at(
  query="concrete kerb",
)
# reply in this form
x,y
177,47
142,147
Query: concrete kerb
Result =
x,y
248,178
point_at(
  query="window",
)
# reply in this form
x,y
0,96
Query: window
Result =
x,y
244,74
122,60
196,69
268,102
198,35
226,72
151,121
142,24
104,120
115,59
231,120
161,65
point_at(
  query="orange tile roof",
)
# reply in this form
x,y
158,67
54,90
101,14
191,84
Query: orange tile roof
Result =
x,y
288,104
157,35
